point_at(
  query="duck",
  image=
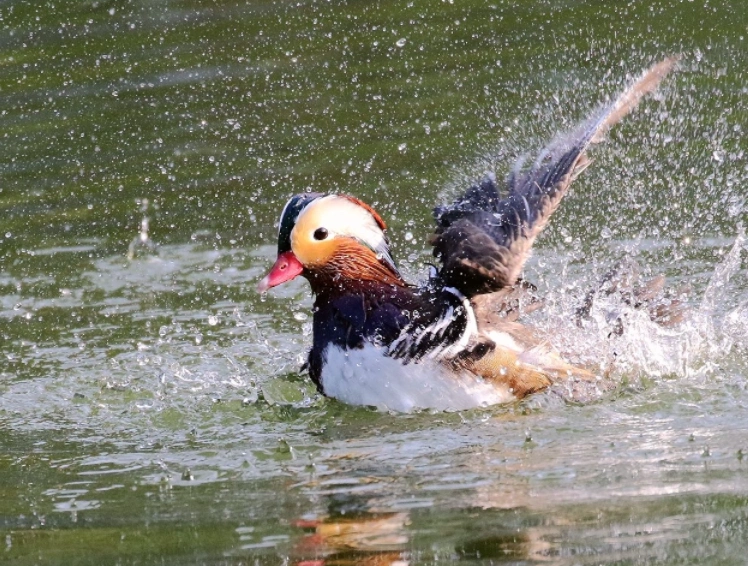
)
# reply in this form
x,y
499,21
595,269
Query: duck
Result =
x,y
458,340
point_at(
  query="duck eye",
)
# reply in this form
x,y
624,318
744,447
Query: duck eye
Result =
x,y
320,233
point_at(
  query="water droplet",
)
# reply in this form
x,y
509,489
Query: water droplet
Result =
x,y
401,42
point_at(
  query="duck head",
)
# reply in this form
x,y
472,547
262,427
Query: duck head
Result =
x,y
333,241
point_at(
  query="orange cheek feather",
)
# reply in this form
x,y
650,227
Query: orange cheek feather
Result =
x,y
312,253
286,267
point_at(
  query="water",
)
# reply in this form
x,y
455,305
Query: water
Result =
x,y
151,408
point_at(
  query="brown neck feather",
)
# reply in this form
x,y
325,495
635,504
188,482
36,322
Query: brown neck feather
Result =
x,y
352,267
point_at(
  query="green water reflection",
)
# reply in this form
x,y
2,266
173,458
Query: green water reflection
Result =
x,y
151,411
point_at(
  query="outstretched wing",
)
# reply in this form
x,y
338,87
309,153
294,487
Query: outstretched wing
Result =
x,y
483,240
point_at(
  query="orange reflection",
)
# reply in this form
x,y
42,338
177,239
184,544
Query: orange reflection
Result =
x,y
373,540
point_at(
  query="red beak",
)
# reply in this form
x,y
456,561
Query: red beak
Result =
x,y
286,268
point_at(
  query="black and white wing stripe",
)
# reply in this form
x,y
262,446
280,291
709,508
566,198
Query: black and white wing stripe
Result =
x,y
441,335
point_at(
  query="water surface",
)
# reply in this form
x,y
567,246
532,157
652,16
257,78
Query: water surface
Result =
x,y
151,407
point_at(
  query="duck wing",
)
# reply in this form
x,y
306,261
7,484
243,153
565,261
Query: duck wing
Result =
x,y
483,239
444,325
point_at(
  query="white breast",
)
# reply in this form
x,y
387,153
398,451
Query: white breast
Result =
x,y
366,376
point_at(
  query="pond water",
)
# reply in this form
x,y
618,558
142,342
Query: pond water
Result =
x,y
152,409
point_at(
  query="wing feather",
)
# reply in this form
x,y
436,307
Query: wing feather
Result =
x,y
436,333
484,239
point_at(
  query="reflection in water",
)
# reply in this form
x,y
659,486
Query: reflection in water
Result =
x,y
372,539
462,535
568,534
357,530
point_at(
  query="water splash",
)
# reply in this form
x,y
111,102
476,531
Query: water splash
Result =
x,y
626,341
721,277
142,244
730,329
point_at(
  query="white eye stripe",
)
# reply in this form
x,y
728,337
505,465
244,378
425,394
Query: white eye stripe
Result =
x,y
343,217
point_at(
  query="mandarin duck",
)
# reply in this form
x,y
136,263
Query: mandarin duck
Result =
x,y
457,341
